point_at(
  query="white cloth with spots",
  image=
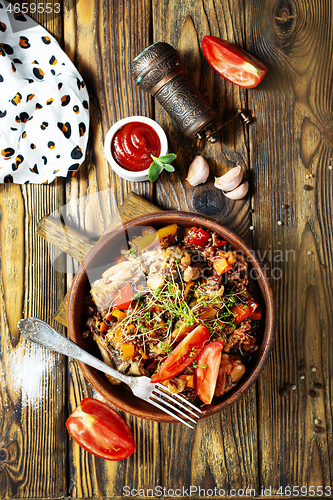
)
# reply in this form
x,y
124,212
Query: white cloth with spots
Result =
x,y
44,105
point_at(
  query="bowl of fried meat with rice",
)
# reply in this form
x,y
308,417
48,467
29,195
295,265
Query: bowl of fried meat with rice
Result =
x,y
179,298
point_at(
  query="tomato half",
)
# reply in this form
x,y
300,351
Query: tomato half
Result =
x,y
205,374
183,355
100,430
233,63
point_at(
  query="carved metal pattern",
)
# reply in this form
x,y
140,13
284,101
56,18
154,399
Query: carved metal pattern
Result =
x,y
148,55
178,96
157,73
184,103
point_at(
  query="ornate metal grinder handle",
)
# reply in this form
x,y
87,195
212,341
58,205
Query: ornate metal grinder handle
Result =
x,y
158,70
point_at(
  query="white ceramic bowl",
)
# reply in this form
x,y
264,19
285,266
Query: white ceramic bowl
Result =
x,y
122,172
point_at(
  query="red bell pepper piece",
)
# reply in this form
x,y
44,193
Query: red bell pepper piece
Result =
x,y
252,305
220,243
257,314
232,62
240,312
198,237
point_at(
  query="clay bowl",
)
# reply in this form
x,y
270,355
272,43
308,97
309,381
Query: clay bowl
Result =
x,y
104,253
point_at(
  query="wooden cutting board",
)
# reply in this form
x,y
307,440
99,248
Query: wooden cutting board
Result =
x,y
76,245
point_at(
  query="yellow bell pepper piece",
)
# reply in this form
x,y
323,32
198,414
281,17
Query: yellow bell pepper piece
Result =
x,y
128,350
117,313
154,238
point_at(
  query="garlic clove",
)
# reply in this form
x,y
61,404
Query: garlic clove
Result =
x,y
230,180
239,192
198,171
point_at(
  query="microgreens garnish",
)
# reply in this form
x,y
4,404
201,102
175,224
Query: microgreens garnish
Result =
x,y
165,347
195,365
158,164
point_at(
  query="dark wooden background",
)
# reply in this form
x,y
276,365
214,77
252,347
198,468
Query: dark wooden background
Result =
x,y
271,437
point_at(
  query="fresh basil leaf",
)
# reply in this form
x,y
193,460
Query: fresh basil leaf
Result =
x,y
168,158
168,168
154,171
159,162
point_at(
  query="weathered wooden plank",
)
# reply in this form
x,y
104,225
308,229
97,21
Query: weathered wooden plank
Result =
x,y
32,382
183,25
32,385
222,451
293,109
100,40
103,38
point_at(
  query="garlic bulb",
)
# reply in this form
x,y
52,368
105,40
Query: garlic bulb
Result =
x,y
230,180
198,171
239,192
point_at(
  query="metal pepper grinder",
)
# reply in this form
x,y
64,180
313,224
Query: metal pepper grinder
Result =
x,y
158,70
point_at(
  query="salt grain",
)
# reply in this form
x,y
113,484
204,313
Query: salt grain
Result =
x,y
30,368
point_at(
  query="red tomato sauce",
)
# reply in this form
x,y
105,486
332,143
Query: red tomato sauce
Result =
x,y
133,144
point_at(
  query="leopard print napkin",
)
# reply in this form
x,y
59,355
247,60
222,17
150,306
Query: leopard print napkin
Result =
x,y
44,105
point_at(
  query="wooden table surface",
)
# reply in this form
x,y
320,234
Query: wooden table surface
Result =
x,y
272,438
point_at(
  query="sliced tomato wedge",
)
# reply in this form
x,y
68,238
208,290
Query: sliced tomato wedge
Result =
x,y
232,62
240,312
124,297
100,430
183,355
206,371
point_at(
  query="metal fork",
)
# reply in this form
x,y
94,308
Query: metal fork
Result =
x,y
39,332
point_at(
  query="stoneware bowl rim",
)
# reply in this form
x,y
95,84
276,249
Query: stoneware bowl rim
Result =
x,y
131,404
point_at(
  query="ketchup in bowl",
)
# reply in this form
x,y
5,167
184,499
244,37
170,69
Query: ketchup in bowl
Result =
x,y
133,144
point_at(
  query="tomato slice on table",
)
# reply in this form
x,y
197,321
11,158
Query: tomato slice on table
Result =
x,y
124,297
206,371
232,62
183,355
100,430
